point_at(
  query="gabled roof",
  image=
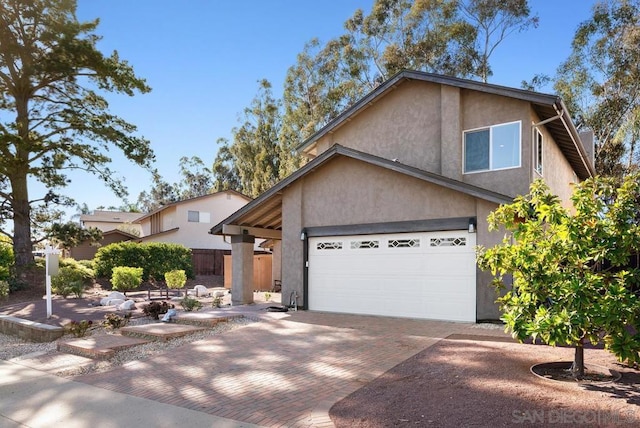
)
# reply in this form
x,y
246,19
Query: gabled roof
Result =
x,y
121,233
173,204
111,216
266,210
546,106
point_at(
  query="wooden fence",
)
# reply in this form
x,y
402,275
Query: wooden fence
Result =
x,y
208,262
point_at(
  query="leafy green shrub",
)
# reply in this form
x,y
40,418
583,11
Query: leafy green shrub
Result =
x,y
6,260
4,289
86,263
126,278
79,328
175,278
190,304
72,278
217,302
115,321
155,258
154,309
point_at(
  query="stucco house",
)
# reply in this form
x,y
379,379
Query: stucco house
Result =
x,y
385,216
116,226
187,222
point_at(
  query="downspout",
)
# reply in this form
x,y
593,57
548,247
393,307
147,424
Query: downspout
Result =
x,y
305,270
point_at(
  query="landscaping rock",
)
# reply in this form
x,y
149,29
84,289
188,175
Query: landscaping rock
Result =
x,y
200,290
128,305
117,295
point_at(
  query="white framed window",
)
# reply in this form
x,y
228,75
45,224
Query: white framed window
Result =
x,y
193,216
492,148
198,217
538,151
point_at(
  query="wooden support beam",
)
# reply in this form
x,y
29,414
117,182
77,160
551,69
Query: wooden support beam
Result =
x,y
258,232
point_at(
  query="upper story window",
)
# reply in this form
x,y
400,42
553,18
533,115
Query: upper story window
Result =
x,y
198,217
491,148
537,151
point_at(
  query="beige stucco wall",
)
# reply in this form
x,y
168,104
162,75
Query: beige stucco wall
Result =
x,y
556,171
373,195
191,234
486,295
421,124
481,110
403,125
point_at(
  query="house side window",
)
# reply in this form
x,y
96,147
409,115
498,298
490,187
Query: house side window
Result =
x,y
193,216
198,217
492,148
538,151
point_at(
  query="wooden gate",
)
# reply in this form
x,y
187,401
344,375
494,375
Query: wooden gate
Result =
x,y
208,262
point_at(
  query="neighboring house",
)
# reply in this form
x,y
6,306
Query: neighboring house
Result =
x,y
110,220
116,226
187,222
385,216
88,250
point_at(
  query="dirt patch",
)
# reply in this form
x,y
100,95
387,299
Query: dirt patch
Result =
x,y
466,382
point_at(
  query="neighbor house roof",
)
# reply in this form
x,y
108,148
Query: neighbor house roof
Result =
x,y
110,216
546,106
266,210
173,204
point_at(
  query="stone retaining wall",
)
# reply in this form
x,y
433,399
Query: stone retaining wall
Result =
x,y
29,330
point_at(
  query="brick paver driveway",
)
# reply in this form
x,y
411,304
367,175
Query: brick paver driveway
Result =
x,y
278,372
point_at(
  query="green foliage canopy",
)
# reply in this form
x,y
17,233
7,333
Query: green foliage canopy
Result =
x,y
571,279
154,257
53,116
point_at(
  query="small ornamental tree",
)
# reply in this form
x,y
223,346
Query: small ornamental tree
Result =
x,y
175,278
570,267
126,278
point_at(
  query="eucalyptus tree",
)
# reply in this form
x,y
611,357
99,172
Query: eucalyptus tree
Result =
x,y
600,82
494,21
254,153
53,115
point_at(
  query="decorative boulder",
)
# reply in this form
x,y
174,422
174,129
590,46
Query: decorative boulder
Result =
x,y
128,305
115,302
200,290
117,295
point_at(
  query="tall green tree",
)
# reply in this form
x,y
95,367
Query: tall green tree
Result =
x,y
572,281
494,21
451,37
253,159
53,117
600,82
197,179
161,193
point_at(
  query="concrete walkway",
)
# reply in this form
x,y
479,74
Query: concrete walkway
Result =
x,y
31,398
286,370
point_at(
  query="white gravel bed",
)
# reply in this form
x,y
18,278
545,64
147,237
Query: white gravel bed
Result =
x,y
13,347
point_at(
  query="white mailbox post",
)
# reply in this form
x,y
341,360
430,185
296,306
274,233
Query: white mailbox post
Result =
x,y
52,263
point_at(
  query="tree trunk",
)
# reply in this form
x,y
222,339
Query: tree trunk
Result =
x,y
21,221
577,369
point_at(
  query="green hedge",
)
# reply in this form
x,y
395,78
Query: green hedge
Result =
x,y
6,260
154,258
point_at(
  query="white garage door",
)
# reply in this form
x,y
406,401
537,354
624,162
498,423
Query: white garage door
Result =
x,y
417,275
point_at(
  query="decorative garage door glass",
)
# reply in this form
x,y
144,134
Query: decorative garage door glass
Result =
x,y
417,275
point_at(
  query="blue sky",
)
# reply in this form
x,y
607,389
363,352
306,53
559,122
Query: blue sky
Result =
x,y
203,59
